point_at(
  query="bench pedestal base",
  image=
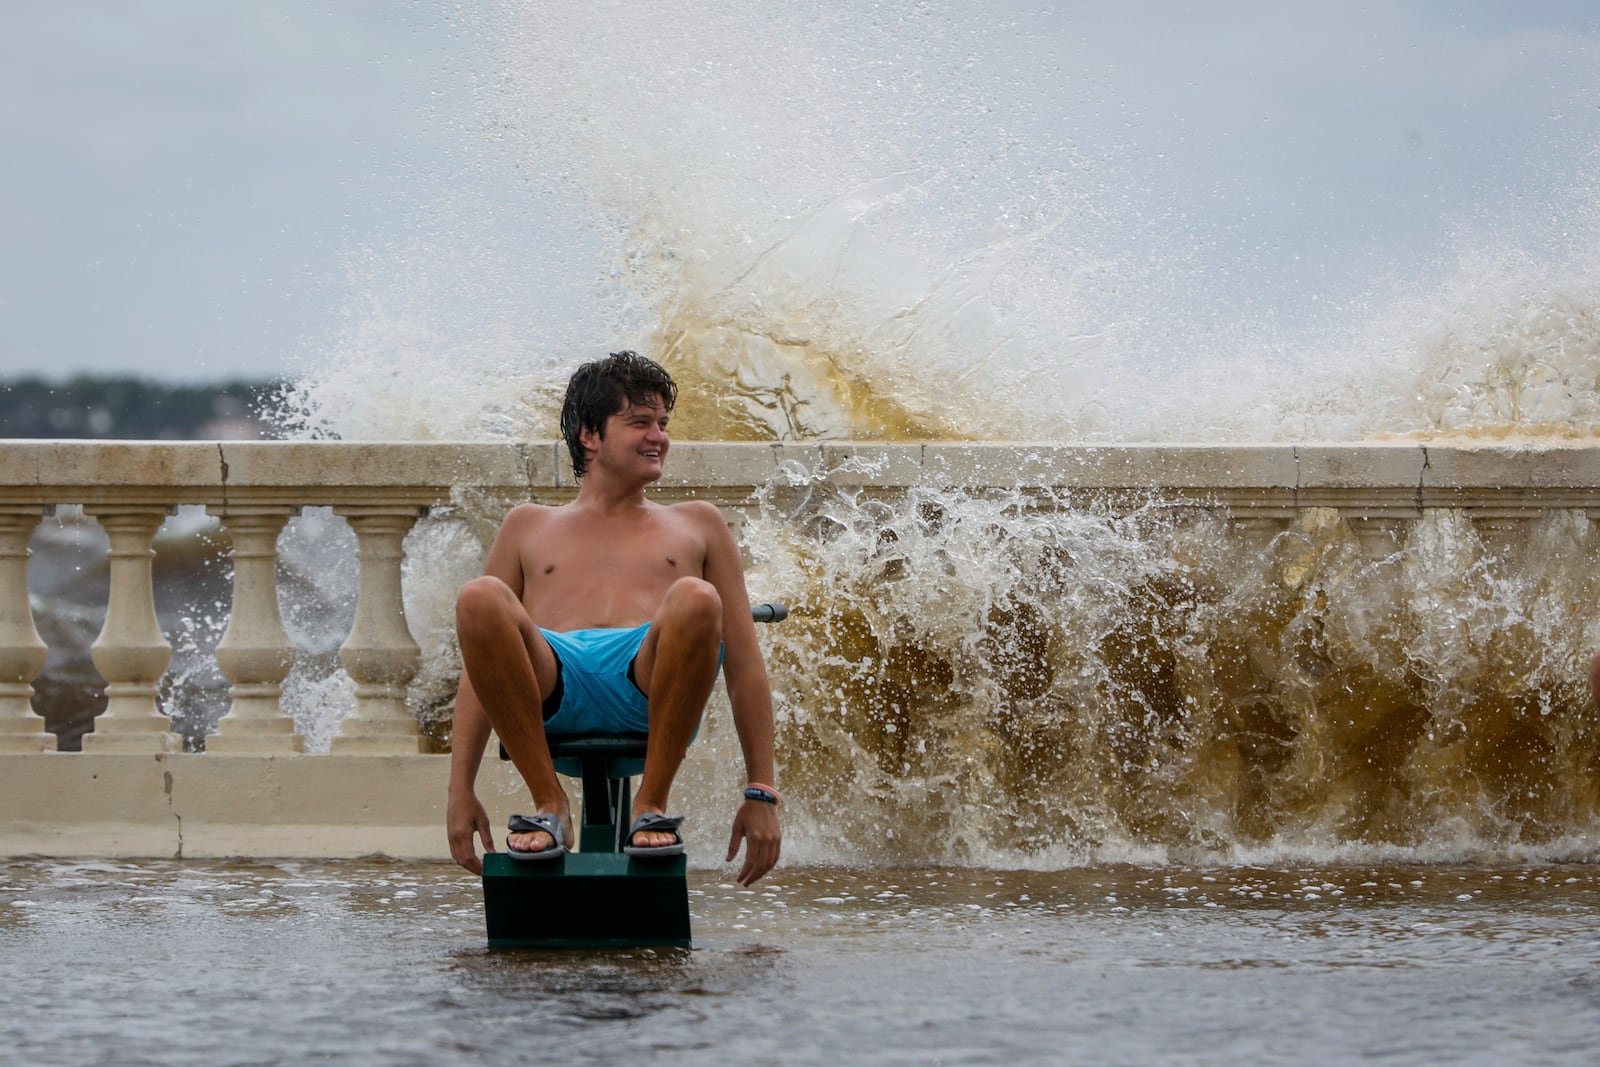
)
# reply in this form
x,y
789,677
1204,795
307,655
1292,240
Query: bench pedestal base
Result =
x,y
586,900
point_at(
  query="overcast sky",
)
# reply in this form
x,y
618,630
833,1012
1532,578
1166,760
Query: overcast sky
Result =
x,y
188,184
182,178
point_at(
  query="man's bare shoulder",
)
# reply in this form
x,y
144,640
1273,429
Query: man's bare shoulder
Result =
x,y
705,522
700,518
524,514
699,512
523,521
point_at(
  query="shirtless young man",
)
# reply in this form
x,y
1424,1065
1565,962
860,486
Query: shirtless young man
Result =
x,y
609,614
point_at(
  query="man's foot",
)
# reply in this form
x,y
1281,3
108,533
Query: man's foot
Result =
x,y
538,837
654,834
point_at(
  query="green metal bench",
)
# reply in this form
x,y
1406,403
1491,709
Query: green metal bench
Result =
x,y
596,897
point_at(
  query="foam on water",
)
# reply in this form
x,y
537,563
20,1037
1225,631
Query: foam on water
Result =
x,y
977,680
841,221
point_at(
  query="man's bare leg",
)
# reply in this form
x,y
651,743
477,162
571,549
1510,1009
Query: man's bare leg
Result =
x,y
511,666
676,666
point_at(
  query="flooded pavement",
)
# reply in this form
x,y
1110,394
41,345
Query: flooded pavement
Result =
x,y
380,963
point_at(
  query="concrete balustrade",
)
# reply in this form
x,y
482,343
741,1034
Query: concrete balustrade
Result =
x,y
255,790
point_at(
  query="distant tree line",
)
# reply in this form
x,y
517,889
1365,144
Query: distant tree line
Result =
x,y
127,408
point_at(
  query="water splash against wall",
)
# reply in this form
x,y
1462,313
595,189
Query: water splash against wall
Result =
x,y
977,679
840,222
845,221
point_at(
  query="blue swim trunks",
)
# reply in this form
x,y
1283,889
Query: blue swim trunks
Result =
x,y
595,690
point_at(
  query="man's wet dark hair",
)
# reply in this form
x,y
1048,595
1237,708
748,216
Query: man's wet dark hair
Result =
x,y
602,388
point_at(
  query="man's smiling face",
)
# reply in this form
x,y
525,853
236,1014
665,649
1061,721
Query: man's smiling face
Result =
x,y
635,441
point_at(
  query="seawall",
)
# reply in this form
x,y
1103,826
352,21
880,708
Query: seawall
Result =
x,y
256,791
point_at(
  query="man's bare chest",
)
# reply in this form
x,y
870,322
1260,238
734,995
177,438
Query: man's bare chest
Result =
x,y
597,553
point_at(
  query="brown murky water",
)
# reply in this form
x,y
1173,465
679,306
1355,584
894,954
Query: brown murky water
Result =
x,y
369,963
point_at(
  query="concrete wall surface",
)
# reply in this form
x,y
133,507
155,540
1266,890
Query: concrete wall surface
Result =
x,y
188,806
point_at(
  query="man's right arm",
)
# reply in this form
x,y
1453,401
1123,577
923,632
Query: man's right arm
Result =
x,y
465,816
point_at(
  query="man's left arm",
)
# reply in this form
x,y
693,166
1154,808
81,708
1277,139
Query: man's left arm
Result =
x,y
750,696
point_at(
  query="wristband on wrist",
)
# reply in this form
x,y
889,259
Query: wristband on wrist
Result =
x,y
764,793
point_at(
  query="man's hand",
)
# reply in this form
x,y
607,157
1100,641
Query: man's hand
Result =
x,y
465,818
757,826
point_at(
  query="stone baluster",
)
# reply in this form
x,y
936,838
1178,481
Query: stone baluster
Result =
x,y
254,653
131,652
22,652
380,654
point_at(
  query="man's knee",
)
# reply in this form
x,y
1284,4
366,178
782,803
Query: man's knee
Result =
x,y
482,602
694,601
